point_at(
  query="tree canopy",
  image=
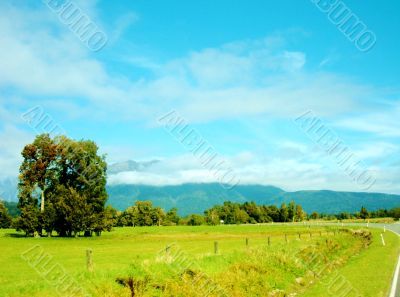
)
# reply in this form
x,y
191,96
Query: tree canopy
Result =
x,y
143,213
250,212
67,178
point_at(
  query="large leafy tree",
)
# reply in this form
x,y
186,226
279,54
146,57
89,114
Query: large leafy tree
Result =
x,y
172,216
284,213
253,211
364,214
300,214
273,212
38,169
83,169
291,211
211,216
195,220
29,220
72,177
146,215
143,213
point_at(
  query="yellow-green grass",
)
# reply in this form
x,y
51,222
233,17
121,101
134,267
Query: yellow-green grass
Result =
x,y
244,270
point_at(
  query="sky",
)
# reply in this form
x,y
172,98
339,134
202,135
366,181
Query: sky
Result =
x,y
239,73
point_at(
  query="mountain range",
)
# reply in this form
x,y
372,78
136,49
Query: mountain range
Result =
x,y
195,198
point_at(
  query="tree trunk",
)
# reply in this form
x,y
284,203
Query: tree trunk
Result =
x,y
42,202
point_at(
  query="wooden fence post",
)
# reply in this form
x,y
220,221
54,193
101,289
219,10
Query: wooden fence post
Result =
x,y
89,260
215,247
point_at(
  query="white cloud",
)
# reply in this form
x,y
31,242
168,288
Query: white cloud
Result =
x,y
384,123
377,150
12,142
122,24
40,56
173,178
292,174
44,62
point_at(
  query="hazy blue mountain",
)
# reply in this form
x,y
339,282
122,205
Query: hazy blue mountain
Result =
x,y
13,210
195,198
8,189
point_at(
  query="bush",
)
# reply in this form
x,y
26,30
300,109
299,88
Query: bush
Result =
x,y
5,218
196,220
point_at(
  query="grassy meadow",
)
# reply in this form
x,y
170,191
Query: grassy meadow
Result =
x,y
308,261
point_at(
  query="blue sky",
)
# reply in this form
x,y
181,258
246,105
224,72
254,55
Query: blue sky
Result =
x,y
238,72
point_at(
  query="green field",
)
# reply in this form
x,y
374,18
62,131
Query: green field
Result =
x,y
307,265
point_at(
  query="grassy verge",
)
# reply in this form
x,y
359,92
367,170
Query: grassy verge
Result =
x,y
367,274
363,221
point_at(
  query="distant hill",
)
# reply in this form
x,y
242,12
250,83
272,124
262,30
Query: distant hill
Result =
x,y
195,198
8,189
12,208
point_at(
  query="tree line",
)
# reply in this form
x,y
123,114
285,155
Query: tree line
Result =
x,y
144,213
362,214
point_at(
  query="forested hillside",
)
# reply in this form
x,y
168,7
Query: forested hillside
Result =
x,y
195,198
